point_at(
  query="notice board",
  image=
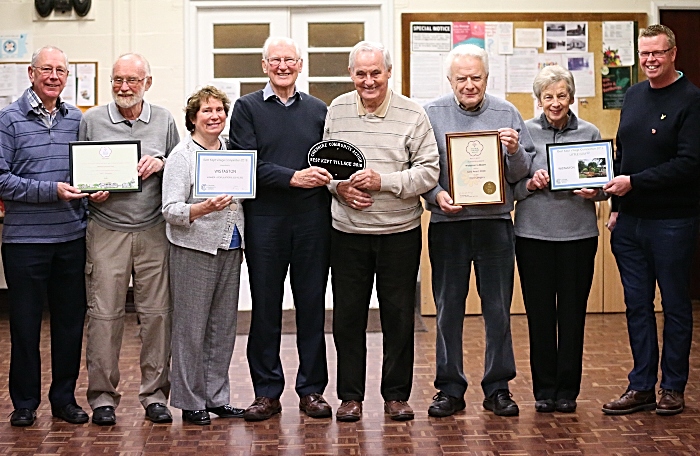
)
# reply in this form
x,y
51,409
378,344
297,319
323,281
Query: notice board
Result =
x,y
583,34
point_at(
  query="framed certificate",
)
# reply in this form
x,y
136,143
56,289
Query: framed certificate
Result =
x,y
105,166
475,168
587,164
225,172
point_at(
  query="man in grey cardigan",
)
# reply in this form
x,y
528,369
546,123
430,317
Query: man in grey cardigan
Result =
x,y
482,234
125,237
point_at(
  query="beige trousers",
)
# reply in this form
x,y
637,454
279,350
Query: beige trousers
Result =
x,y
112,258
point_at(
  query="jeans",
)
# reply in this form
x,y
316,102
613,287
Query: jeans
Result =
x,y
453,246
650,252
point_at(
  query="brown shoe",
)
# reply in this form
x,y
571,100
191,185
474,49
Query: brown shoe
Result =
x,y
315,406
398,410
630,402
262,408
670,403
349,411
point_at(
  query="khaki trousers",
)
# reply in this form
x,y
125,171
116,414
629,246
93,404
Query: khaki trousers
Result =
x,y
112,258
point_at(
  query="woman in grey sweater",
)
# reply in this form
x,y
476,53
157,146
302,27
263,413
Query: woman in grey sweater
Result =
x,y
556,242
206,237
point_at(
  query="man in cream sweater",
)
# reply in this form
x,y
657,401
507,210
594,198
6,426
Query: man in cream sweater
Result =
x,y
376,228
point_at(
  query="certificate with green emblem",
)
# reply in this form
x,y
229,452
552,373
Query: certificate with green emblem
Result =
x,y
105,166
475,168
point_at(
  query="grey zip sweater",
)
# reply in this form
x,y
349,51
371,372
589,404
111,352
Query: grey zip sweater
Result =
x,y
561,215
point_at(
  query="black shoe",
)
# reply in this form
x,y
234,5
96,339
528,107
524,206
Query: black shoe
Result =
x,y
501,404
445,405
23,417
545,406
158,413
104,416
71,413
226,411
198,417
566,405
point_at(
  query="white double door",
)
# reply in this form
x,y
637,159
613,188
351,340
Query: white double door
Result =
x,y
325,61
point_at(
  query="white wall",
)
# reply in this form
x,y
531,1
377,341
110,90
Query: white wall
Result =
x,y
153,28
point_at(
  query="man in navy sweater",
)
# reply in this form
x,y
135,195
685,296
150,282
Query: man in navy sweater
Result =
x,y
654,222
43,240
287,226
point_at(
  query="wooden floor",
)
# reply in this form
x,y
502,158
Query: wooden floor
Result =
x,y
472,432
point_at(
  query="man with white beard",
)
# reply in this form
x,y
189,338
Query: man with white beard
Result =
x,y
125,238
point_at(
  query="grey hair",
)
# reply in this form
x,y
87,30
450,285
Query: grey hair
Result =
x,y
551,75
35,56
463,50
369,46
146,65
279,39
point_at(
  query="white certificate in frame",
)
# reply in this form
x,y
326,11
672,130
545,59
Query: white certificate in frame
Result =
x,y
225,172
586,164
105,166
475,168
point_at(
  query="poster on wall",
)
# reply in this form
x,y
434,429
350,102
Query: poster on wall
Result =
x,y
566,36
468,33
615,85
15,46
618,43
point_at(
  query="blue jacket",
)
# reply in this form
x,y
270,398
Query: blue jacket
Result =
x,y
33,159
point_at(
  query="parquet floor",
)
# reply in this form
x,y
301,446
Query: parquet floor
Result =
x,y
472,432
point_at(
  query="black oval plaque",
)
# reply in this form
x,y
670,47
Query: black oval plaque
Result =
x,y
340,158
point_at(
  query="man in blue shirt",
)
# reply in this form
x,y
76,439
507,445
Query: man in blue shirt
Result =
x,y
43,242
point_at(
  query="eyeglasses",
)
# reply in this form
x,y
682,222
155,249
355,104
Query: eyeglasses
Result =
x,y
276,61
656,54
47,71
131,82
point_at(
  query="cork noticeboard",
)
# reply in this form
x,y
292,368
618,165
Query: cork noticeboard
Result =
x,y
590,108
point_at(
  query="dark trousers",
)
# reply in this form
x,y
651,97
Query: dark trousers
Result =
x,y
453,246
35,274
647,252
556,278
355,261
300,243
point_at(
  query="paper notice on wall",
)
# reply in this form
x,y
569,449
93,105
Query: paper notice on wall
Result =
x,y
431,37
618,43
521,70
581,66
8,82
505,37
69,91
566,36
497,82
428,80
528,37
544,60
85,74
